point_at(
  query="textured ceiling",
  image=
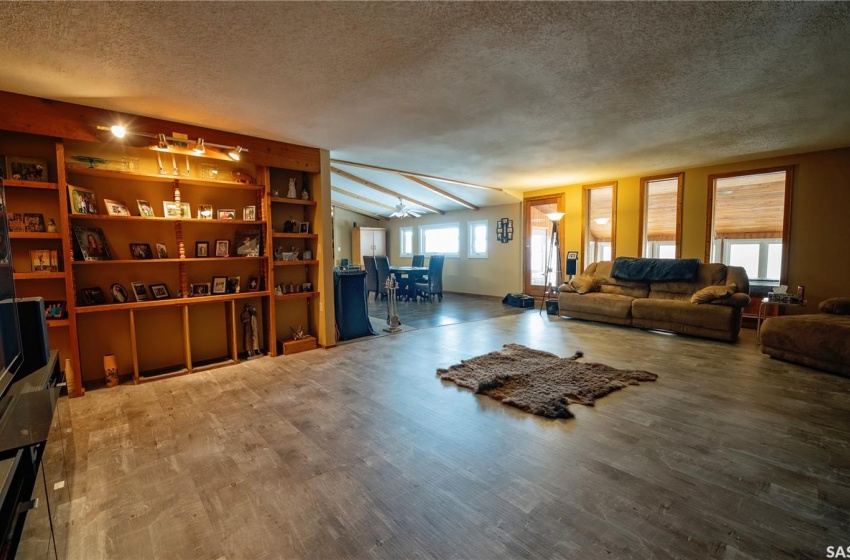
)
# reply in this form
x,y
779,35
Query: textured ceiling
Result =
x,y
515,95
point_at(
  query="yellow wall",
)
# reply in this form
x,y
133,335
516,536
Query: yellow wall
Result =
x,y
344,221
819,222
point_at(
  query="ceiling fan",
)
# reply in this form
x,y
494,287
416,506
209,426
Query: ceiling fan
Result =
x,y
403,211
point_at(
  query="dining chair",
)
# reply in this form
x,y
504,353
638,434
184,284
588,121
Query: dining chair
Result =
x,y
434,285
382,264
418,260
371,275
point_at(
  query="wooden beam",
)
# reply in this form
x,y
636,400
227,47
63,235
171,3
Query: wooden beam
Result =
x,y
357,211
440,192
362,198
412,174
384,190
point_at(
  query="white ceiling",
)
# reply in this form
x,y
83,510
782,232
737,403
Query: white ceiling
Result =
x,y
513,95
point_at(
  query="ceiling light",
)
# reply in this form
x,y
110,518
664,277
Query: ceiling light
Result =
x,y
161,142
118,130
199,147
235,153
555,216
601,221
724,192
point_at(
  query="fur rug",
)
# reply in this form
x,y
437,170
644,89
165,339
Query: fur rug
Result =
x,y
540,382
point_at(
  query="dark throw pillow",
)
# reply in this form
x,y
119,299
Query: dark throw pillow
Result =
x,y
836,306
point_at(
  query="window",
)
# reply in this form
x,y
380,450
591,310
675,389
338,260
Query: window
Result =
x,y
599,218
477,240
660,225
440,239
747,221
405,235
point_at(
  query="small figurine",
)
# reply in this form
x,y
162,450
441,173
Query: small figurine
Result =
x,y
291,193
51,226
278,290
298,334
305,194
251,332
294,250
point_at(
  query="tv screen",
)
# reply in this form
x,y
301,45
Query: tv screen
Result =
x,y
10,332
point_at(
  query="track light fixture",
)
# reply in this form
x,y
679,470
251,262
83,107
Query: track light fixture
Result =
x,y
165,143
118,130
161,142
199,147
235,153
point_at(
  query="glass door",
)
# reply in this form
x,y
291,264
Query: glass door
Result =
x,y
537,232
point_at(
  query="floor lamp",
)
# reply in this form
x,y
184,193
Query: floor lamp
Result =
x,y
553,256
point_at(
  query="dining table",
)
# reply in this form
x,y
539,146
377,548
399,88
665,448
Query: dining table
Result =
x,y
406,277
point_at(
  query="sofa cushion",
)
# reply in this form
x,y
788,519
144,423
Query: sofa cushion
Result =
x,y
836,306
566,287
711,293
672,312
596,303
601,271
584,284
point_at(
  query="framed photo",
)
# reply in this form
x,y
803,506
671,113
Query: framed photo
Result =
x,y
141,251
303,227
55,310
119,293
247,243
83,201
40,260
307,286
161,251
92,244
222,248
145,209
205,212
253,284
219,285
233,284
139,291
176,210
26,169
16,222
160,291
54,260
93,296
572,254
33,222
200,289
115,207
227,214
249,213
202,249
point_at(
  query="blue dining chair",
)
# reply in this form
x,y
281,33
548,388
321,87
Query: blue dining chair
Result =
x,y
433,286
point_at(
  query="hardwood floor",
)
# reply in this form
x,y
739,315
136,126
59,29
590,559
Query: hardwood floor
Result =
x,y
360,451
455,308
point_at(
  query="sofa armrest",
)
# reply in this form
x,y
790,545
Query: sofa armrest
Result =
x,y
738,275
738,300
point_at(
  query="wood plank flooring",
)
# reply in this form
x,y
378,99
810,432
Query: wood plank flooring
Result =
x,y
360,451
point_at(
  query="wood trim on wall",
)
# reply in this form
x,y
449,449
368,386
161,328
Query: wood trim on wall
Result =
x,y
786,219
585,216
558,199
680,191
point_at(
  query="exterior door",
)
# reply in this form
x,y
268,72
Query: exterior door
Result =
x,y
537,232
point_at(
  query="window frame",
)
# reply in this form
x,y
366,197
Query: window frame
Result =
x,y
401,231
470,239
643,214
445,225
724,250
585,219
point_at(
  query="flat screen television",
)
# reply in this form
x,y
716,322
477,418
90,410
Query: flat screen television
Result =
x,y
10,329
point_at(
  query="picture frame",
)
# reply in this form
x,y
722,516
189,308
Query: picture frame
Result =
x,y
199,290
16,221
572,254
55,310
205,212
145,209
91,243
202,249
227,214
307,286
83,201
54,260
92,296
308,256
119,293
219,285
161,251
160,291
139,291
248,243
33,223
222,248
249,213
26,169
253,284
176,210
141,251
233,284
115,207
40,260
303,227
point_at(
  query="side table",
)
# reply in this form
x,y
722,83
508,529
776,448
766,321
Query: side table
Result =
x,y
763,306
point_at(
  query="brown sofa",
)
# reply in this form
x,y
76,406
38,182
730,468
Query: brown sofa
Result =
x,y
661,305
819,340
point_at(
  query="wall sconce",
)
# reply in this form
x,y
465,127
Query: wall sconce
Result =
x,y
165,143
199,147
505,230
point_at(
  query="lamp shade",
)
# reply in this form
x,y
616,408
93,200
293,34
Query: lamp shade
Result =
x,y
555,216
